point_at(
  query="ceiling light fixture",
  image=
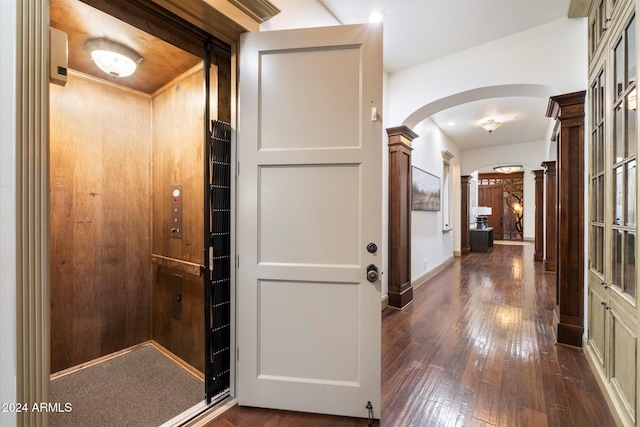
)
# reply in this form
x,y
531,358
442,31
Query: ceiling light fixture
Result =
x,y
507,168
376,16
113,58
491,125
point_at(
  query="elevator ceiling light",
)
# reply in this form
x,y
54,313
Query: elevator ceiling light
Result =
x,y
491,125
112,58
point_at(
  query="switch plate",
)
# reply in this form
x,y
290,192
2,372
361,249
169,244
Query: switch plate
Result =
x,y
175,225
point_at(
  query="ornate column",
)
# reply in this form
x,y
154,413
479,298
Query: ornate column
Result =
x,y
400,290
569,110
538,254
550,215
465,216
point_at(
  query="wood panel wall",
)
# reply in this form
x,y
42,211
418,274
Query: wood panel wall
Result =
x,y
178,135
100,220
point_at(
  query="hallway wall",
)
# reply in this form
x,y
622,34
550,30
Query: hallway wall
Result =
x,y
100,220
430,245
542,55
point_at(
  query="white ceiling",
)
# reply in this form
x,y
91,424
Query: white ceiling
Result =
x,y
523,120
416,31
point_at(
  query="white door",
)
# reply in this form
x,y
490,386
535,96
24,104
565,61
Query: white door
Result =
x,y
309,203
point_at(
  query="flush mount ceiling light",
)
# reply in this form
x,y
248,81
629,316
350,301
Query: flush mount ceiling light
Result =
x,y
491,125
112,58
507,168
376,17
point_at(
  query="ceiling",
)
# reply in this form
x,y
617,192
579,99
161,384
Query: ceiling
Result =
x,y
415,31
161,62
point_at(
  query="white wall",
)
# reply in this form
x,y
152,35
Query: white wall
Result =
x,y
553,55
430,245
7,209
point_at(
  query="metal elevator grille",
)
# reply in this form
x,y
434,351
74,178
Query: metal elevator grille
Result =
x,y
218,292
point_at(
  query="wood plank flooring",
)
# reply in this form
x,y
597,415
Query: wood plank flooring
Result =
x,y
475,348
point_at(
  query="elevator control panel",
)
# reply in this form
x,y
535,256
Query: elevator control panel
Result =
x,y
175,227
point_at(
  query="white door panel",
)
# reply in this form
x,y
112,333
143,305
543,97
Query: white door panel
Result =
x,y
309,195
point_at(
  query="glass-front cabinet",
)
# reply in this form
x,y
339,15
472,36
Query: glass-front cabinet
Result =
x,y
612,308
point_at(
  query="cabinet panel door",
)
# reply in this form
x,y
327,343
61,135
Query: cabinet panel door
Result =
x,y
623,361
597,325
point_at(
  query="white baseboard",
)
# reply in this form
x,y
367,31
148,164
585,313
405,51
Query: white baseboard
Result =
x,y
385,301
424,277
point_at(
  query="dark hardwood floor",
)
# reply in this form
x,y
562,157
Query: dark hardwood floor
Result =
x,y
475,348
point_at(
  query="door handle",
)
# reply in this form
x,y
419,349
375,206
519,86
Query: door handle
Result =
x,y
372,273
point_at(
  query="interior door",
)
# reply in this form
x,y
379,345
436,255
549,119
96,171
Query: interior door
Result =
x,y
492,196
309,204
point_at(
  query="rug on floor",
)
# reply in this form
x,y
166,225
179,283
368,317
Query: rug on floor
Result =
x,y
139,388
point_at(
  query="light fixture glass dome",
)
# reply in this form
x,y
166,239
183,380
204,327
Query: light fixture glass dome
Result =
x,y
508,168
112,58
491,125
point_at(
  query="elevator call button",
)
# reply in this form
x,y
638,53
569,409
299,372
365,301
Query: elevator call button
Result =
x,y
176,212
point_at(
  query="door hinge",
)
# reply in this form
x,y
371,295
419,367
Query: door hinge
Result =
x,y
237,354
238,261
238,169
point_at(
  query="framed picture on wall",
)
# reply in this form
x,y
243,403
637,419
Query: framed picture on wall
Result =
x,y
425,191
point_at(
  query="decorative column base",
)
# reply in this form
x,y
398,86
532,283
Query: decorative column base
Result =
x,y
569,332
402,297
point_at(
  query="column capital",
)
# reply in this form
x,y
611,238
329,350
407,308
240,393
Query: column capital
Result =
x,y
566,106
401,135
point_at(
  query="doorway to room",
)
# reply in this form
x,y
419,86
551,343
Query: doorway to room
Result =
x,y
140,189
504,194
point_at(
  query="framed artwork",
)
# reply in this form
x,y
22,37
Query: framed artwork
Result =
x,y
425,191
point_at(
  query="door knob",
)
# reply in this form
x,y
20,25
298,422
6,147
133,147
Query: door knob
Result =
x,y
372,273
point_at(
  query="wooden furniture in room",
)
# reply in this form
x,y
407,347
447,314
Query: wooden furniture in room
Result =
x,y
400,289
550,215
611,339
538,254
465,220
481,239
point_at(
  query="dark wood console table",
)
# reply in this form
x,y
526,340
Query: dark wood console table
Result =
x,y
481,239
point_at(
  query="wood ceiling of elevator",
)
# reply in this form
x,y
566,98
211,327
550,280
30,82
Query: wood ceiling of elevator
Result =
x,y
169,46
